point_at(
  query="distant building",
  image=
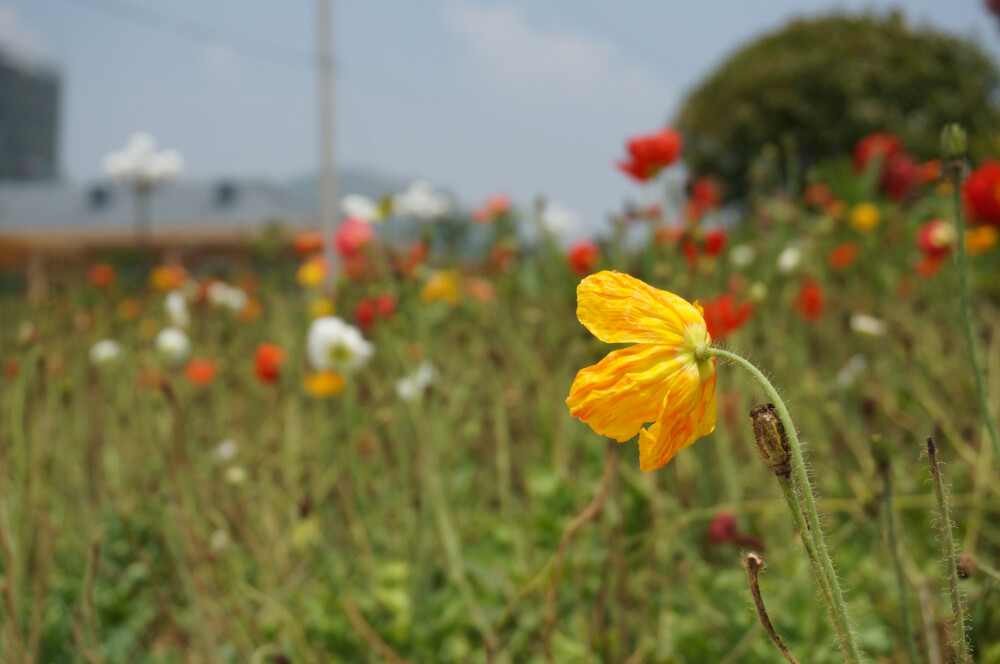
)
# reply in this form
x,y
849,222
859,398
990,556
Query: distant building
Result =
x,y
29,118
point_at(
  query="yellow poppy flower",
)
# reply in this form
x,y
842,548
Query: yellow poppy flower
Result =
x,y
659,379
324,384
444,286
311,273
865,217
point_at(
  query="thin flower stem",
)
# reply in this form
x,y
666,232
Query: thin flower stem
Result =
x,y
970,338
838,608
961,645
890,527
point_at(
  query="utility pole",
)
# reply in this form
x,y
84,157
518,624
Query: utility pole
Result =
x,y
327,139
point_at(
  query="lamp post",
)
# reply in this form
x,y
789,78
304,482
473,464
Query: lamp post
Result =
x,y
140,167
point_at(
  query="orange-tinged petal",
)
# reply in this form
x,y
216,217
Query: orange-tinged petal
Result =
x,y
618,308
688,413
625,390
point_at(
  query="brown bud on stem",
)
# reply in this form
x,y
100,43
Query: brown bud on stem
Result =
x,y
771,439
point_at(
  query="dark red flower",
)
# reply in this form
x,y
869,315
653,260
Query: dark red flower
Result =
x,y
722,527
810,301
267,361
650,153
582,257
899,174
371,310
723,315
981,193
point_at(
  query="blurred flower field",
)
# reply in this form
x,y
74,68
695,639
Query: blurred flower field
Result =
x,y
244,464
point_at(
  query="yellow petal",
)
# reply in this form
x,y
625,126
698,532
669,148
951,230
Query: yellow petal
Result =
x,y
618,308
688,413
625,390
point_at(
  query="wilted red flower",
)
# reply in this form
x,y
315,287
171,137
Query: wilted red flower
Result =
x,y
843,255
936,237
722,527
715,241
810,301
373,309
650,153
201,371
981,193
723,315
267,362
582,257
308,243
101,275
352,236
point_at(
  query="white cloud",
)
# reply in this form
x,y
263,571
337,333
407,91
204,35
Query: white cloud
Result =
x,y
18,38
550,66
219,60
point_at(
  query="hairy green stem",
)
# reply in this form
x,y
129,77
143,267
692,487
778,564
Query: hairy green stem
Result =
x,y
961,645
838,607
970,339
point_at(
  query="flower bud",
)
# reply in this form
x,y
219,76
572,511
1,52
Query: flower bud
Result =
x,y
771,439
954,141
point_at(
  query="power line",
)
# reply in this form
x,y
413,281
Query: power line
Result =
x,y
206,33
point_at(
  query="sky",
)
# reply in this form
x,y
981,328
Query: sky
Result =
x,y
523,96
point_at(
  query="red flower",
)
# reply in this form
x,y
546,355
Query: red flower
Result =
x,y
371,310
650,153
882,145
267,361
352,236
722,527
935,237
929,266
582,257
201,371
101,275
406,265
818,195
843,255
810,301
899,174
705,196
723,315
715,241
11,369
981,193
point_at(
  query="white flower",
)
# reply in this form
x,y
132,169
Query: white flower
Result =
x,y
854,367
218,540
221,294
742,255
790,258
360,207
177,309
335,345
869,325
411,387
139,163
557,219
173,345
421,202
226,450
105,352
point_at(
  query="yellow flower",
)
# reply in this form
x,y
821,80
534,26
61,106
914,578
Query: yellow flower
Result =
x,y
321,307
311,273
324,384
980,239
659,379
443,285
865,217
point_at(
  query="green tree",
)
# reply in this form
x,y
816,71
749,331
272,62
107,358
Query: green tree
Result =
x,y
827,82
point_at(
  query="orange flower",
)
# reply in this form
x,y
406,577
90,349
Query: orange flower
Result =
x,y
659,379
129,308
167,277
101,275
843,255
324,384
201,371
480,289
980,239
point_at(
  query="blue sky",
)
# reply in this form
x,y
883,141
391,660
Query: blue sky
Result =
x,y
524,96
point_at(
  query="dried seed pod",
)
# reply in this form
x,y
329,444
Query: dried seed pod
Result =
x,y
771,439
